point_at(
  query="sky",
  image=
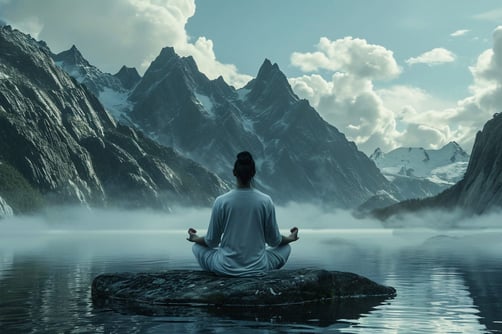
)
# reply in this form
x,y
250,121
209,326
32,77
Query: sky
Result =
x,y
386,73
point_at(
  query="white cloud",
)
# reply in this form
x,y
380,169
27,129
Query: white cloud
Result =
x,y
385,118
459,33
351,104
433,57
401,115
116,32
473,112
352,55
203,53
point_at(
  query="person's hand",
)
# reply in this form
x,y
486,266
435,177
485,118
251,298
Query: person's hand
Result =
x,y
294,233
192,235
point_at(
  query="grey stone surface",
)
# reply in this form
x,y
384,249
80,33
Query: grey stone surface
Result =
x,y
198,288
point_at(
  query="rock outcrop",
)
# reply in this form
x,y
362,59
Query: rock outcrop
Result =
x,y
199,288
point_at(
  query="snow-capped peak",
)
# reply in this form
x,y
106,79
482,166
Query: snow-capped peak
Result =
x,y
422,163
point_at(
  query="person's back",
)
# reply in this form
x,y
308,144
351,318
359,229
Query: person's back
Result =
x,y
244,221
242,224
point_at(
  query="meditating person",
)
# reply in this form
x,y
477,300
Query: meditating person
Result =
x,y
242,224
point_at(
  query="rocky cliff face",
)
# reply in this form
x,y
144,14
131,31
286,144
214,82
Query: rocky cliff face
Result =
x,y
481,188
57,134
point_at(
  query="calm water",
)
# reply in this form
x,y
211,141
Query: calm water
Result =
x,y
447,281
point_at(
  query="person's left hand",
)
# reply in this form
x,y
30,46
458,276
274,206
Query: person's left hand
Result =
x,y
294,233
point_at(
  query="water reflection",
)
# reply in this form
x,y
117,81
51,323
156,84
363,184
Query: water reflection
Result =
x,y
316,313
444,285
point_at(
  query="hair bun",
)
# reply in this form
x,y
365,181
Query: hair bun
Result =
x,y
244,167
245,157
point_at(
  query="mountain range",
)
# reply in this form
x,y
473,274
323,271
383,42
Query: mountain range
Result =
x,y
74,134
58,137
420,172
300,157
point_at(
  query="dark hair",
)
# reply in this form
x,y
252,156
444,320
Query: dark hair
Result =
x,y
244,167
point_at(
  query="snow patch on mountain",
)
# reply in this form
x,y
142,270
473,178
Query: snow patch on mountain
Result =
x,y
444,166
206,103
116,102
3,76
450,174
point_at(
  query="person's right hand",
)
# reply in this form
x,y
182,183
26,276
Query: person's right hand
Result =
x,y
192,234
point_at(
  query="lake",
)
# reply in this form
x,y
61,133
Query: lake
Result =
x,y
447,281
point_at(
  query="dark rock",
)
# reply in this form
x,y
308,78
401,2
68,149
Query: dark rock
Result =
x,y
198,288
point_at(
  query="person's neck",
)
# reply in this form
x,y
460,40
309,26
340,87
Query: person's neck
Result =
x,y
243,185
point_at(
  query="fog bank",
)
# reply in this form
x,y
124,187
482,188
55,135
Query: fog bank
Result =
x,y
304,216
139,230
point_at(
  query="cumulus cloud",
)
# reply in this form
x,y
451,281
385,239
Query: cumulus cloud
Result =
x,y
113,33
486,99
352,55
462,121
348,100
435,56
396,115
387,118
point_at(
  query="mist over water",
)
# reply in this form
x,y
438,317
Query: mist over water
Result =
x,y
444,265
455,229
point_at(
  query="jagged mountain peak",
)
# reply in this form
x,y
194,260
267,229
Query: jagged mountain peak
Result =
x,y
270,72
170,67
165,58
270,86
267,69
72,57
128,76
168,53
168,57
